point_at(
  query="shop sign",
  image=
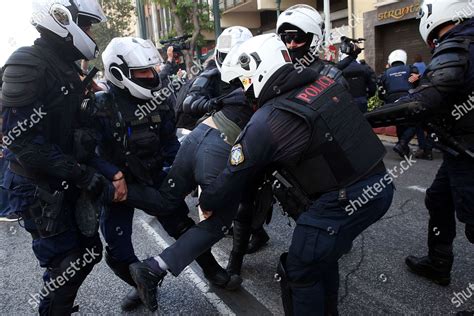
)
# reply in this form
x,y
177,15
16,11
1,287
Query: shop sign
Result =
x,y
399,13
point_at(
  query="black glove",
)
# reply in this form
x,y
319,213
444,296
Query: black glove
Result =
x,y
91,181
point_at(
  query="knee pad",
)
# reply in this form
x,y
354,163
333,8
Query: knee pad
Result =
x,y
120,269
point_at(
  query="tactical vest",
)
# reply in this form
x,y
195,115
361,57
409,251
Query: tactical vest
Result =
x,y
137,141
396,79
342,147
62,98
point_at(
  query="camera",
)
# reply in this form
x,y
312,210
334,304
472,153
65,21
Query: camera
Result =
x,y
349,46
179,43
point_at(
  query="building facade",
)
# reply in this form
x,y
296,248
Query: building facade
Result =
x,y
385,24
390,25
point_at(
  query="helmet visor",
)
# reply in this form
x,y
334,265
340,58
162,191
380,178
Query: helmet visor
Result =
x,y
90,10
297,36
147,78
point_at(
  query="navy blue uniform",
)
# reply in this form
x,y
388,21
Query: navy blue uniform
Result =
x,y
42,93
361,82
452,192
202,156
394,83
153,142
275,136
444,98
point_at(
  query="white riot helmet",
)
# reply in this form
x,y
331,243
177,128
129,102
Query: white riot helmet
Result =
x,y
122,56
230,38
434,13
64,18
306,19
397,55
255,61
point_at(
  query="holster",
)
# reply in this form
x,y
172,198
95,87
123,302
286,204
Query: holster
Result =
x,y
263,205
47,213
293,200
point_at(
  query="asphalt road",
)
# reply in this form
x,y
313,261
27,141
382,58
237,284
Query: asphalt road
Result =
x,y
374,279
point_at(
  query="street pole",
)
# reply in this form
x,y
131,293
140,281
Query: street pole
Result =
x,y
278,7
217,18
154,19
327,21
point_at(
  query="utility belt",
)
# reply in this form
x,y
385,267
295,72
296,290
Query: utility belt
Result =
x,y
295,201
47,211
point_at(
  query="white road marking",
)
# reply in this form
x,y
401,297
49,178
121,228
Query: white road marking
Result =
x,y
188,273
417,188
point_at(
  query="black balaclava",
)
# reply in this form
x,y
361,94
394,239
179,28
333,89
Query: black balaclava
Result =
x,y
299,52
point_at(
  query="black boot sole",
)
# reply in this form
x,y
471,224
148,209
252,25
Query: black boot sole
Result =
x,y
443,281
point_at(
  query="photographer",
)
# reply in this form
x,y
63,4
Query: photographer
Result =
x,y
360,79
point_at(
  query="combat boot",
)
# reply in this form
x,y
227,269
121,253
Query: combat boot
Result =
x,y
426,154
241,233
217,275
132,300
148,276
436,266
258,240
402,149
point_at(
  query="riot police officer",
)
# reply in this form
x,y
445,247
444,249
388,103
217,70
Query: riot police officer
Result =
x,y
301,28
307,127
394,84
205,96
439,103
42,94
138,136
202,156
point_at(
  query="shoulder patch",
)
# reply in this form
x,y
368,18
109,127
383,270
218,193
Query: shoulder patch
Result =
x,y
309,93
237,155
